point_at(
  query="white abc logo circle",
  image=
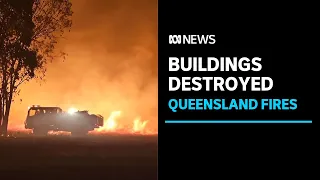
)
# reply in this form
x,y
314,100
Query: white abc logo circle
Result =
x,y
174,39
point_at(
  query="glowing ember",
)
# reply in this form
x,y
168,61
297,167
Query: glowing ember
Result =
x,y
58,133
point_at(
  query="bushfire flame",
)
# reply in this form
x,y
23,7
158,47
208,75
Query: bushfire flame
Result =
x,y
138,125
111,125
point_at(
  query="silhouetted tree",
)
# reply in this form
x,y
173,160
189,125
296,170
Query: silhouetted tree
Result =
x,y
29,30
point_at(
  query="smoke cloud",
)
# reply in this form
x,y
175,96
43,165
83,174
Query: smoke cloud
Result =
x,y
111,64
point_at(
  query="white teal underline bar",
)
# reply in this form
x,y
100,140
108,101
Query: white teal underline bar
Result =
x,y
238,121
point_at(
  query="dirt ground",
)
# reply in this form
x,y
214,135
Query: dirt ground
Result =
x,y
65,157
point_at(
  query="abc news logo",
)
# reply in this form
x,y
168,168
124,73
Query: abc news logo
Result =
x,y
192,39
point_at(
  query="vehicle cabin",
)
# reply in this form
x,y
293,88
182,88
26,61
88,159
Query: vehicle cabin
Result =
x,y
43,110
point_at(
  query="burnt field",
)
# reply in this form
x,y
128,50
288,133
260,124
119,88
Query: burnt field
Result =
x,y
65,157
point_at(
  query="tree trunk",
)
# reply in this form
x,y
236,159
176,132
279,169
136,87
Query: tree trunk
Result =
x,y
1,115
4,126
7,110
0,111
5,119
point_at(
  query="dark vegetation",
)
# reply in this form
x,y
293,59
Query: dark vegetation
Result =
x,y
29,31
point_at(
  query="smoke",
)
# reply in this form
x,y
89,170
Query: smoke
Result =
x,y
111,64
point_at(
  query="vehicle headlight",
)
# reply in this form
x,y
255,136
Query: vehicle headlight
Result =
x,y
72,110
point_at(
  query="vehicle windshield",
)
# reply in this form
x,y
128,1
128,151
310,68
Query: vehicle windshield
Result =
x,y
33,112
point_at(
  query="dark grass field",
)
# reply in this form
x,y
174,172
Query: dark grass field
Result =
x,y
65,157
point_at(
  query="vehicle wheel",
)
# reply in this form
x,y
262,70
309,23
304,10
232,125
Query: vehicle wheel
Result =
x,y
40,132
79,133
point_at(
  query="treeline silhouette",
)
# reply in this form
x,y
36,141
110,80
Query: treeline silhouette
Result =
x,y
29,31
